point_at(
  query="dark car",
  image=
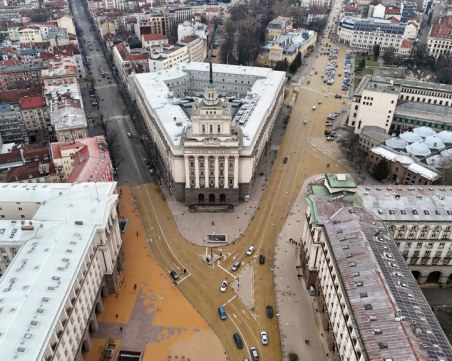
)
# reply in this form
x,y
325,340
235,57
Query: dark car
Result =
x,y
174,275
269,311
261,259
238,340
285,160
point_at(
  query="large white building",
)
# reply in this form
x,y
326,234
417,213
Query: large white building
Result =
x,y
208,147
398,104
439,40
61,251
371,306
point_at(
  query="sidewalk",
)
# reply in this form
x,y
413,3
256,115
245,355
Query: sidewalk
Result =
x,y
149,314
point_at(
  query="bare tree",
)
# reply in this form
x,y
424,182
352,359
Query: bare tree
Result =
x,y
281,7
389,55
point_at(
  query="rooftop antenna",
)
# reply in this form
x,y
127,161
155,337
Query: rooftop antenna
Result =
x,y
210,73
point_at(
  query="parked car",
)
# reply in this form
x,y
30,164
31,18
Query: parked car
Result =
x,y
264,337
222,313
174,275
254,354
269,311
285,160
238,340
329,124
261,259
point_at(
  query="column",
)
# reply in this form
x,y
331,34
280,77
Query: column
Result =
x,y
226,171
206,171
236,171
216,171
196,171
187,172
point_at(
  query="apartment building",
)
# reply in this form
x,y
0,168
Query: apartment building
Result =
x,y
35,115
12,127
399,104
165,57
439,39
210,157
154,23
70,234
17,75
150,40
371,306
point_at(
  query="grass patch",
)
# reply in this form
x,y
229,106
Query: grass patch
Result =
x,y
368,58
368,70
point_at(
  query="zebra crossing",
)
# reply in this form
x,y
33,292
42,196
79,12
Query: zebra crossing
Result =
x,y
331,149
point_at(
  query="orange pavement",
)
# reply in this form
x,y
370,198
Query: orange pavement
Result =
x,y
155,318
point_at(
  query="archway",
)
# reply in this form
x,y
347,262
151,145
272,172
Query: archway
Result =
x,y
201,198
433,277
222,198
212,198
417,275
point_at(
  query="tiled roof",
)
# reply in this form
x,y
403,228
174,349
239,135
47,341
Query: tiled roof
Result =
x,y
392,10
406,44
150,37
442,29
30,171
32,102
16,95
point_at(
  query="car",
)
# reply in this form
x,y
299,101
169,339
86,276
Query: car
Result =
x,y
329,138
264,337
174,275
250,250
254,354
313,107
235,266
338,96
99,79
261,259
222,313
269,311
285,160
129,134
224,286
238,340
329,124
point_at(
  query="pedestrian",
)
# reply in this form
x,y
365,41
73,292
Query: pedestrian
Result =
x,y
135,287
117,316
120,328
137,233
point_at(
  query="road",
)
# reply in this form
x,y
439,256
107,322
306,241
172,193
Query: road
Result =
x,y
128,153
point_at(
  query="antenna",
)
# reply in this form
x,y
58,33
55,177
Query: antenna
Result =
x,y
97,193
210,73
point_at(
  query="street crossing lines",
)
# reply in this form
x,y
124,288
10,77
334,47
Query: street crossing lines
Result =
x,y
331,149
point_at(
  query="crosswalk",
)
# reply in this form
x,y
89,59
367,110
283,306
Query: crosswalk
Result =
x,y
97,87
331,149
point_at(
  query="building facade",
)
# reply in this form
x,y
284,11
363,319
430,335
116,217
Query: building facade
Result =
x,y
207,153
35,115
79,257
439,41
12,126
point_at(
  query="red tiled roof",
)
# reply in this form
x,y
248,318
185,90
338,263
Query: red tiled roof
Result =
x,y
32,102
406,44
394,20
150,37
30,154
392,10
46,55
126,56
10,62
15,95
8,51
29,171
441,30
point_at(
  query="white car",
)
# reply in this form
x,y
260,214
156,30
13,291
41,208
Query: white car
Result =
x,y
224,286
264,337
250,250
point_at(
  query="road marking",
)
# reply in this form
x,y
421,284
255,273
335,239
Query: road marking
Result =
x,y
230,300
183,279
229,273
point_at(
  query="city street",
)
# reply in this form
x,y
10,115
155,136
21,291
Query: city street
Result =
x,y
112,110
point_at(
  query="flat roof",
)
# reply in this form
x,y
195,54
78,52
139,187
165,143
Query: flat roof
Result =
x,y
51,251
154,88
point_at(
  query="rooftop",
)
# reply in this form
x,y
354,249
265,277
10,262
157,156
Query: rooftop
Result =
x,y
32,102
442,30
52,245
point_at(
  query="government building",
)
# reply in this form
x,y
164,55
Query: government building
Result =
x,y
210,127
61,252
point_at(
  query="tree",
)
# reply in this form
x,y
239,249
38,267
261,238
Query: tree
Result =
x,y
376,50
389,55
293,356
295,64
282,65
362,64
281,7
381,170
444,76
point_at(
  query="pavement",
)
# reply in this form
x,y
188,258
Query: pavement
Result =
x,y
149,314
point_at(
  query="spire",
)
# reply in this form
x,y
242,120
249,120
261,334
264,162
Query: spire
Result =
x,y
210,73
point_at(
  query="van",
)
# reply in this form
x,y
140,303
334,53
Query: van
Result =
x,y
222,313
238,340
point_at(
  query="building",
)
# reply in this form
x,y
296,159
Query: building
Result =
x,y
165,57
189,29
371,306
278,27
128,62
439,39
365,33
60,247
287,46
65,22
150,40
35,116
83,160
17,75
155,23
29,34
399,104
370,137
196,47
12,127
60,70
208,150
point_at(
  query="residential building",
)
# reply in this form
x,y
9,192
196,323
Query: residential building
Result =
x,y
61,70
209,155
165,57
30,34
150,40
35,116
12,127
154,23
128,62
400,104
70,233
278,27
370,137
371,306
83,160
66,22
190,29
17,75
196,47
287,47
439,39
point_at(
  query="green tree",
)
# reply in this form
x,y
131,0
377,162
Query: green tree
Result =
x,y
362,64
376,50
293,357
282,65
381,170
295,64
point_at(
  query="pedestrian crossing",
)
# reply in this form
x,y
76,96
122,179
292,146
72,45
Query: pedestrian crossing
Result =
x,y
331,149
